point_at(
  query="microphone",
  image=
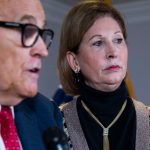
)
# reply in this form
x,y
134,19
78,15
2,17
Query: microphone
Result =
x,y
55,139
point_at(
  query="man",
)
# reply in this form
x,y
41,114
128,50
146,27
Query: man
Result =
x,y
22,48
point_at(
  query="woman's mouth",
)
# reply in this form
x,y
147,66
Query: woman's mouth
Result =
x,y
113,68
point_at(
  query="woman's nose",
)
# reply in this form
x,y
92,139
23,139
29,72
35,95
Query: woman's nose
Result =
x,y
111,51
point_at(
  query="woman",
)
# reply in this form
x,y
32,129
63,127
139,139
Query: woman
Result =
x,y
92,64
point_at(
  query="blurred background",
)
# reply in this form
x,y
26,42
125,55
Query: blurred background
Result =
x,y
137,17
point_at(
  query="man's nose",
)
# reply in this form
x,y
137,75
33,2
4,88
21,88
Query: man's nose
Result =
x,y
40,48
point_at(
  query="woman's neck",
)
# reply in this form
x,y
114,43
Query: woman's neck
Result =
x,y
105,105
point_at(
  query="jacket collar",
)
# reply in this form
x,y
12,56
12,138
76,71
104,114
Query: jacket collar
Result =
x,y
27,127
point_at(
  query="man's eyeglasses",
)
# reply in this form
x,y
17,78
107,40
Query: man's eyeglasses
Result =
x,y
30,33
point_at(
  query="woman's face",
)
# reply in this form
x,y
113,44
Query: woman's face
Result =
x,y
102,56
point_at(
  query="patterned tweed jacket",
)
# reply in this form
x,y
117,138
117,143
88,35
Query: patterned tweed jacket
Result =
x,y
77,141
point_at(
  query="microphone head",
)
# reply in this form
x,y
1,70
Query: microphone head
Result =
x,y
55,139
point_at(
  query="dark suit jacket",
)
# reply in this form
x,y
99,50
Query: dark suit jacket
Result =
x,y
32,117
61,97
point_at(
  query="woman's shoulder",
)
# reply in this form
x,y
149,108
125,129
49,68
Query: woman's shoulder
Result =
x,y
68,105
140,103
141,107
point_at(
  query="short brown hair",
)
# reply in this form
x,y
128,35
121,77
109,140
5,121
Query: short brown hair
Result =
x,y
77,22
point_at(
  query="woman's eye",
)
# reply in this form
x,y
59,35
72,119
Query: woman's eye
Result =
x,y
119,40
97,43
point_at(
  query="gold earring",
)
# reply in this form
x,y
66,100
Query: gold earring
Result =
x,y
76,70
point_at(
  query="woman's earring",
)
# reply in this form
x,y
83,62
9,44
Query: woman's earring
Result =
x,y
77,78
76,70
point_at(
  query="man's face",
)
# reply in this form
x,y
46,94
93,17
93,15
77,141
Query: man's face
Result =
x,y
19,66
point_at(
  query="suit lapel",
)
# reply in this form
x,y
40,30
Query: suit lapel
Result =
x,y
27,127
142,134
73,126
